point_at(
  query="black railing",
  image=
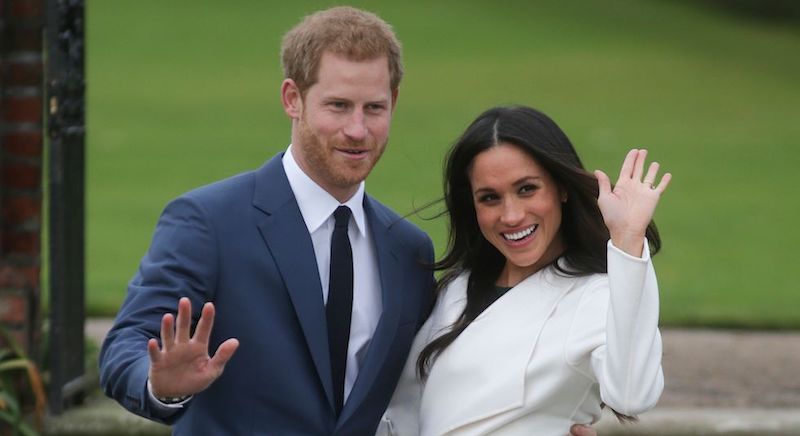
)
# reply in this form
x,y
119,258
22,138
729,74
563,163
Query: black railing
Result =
x,y
66,127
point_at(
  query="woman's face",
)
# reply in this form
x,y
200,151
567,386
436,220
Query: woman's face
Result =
x,y
518,208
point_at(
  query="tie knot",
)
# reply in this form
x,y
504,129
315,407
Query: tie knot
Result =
x,y
342,216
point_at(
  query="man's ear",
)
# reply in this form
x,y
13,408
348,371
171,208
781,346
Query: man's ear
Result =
x,y
395,93
292,99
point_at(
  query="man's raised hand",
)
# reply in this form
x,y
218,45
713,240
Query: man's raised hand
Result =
x,y
182,366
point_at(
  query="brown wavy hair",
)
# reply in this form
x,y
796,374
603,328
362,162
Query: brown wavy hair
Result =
x,y
356,34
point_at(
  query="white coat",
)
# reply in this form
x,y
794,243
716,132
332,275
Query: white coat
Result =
x,y
539,359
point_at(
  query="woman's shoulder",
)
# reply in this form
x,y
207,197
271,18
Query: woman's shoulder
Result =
x,y
454,286
452,295
595,281
592,287
563,275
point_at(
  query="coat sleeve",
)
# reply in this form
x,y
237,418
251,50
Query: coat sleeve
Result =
x,y
181,261
628,365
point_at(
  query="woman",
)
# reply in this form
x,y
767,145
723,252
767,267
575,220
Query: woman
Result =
x,y
548,305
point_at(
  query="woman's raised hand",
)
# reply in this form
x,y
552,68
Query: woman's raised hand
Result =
x,y
628,208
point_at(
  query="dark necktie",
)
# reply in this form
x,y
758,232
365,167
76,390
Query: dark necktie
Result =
x,y
340,302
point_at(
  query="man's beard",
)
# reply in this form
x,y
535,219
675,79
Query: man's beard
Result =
x,y
330,172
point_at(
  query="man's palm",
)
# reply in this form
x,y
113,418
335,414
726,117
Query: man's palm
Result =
x,y
182,365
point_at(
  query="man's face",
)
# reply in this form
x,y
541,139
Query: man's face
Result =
x,y
341,126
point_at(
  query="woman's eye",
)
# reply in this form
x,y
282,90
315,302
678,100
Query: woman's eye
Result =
x,y
526,189
487,197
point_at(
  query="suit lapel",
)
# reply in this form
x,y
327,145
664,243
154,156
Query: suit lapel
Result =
x,y
290,245
386,247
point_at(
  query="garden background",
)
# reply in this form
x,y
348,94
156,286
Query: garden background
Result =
x,y
183,93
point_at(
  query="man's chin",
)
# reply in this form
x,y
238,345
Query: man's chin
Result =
x,y
348,178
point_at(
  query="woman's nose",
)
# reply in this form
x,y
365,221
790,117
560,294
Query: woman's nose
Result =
x,y
513,213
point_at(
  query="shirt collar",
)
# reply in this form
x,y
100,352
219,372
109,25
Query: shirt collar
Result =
x,y
315,203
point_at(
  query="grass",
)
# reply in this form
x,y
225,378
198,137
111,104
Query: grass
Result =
x,y
184,93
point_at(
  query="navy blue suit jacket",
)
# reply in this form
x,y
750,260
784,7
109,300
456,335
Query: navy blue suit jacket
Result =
x,y
242,243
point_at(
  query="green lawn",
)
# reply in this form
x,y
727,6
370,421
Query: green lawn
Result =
x,y
183,93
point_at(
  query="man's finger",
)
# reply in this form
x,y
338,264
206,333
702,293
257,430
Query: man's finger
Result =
x,y
184,321
167,331
204,325
153,351
224,353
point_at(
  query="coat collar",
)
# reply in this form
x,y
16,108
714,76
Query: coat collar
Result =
x,y
284,231
521,312
316,204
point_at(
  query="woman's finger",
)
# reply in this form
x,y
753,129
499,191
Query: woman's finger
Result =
x,y
638,167
603,183
662,186
650,177
626,171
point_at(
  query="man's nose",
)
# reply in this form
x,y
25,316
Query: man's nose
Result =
x,y
356,128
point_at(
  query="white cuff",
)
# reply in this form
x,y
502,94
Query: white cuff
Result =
x,y
645,252
162,405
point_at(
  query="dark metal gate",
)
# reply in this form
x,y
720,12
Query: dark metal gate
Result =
x,y
66,127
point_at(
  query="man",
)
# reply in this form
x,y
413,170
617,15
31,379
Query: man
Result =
x,y
254,252
313,288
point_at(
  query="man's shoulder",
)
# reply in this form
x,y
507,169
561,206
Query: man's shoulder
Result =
x,y
238,187
225,189
395,222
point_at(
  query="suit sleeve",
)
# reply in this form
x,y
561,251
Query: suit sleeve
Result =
x,y
429,289
181,262
628,365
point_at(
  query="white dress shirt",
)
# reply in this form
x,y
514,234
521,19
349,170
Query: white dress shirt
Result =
x,y
317,207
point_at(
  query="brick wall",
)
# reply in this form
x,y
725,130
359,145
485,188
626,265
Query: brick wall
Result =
x,y
21,113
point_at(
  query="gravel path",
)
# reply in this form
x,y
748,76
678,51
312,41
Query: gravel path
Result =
x,y
731,369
